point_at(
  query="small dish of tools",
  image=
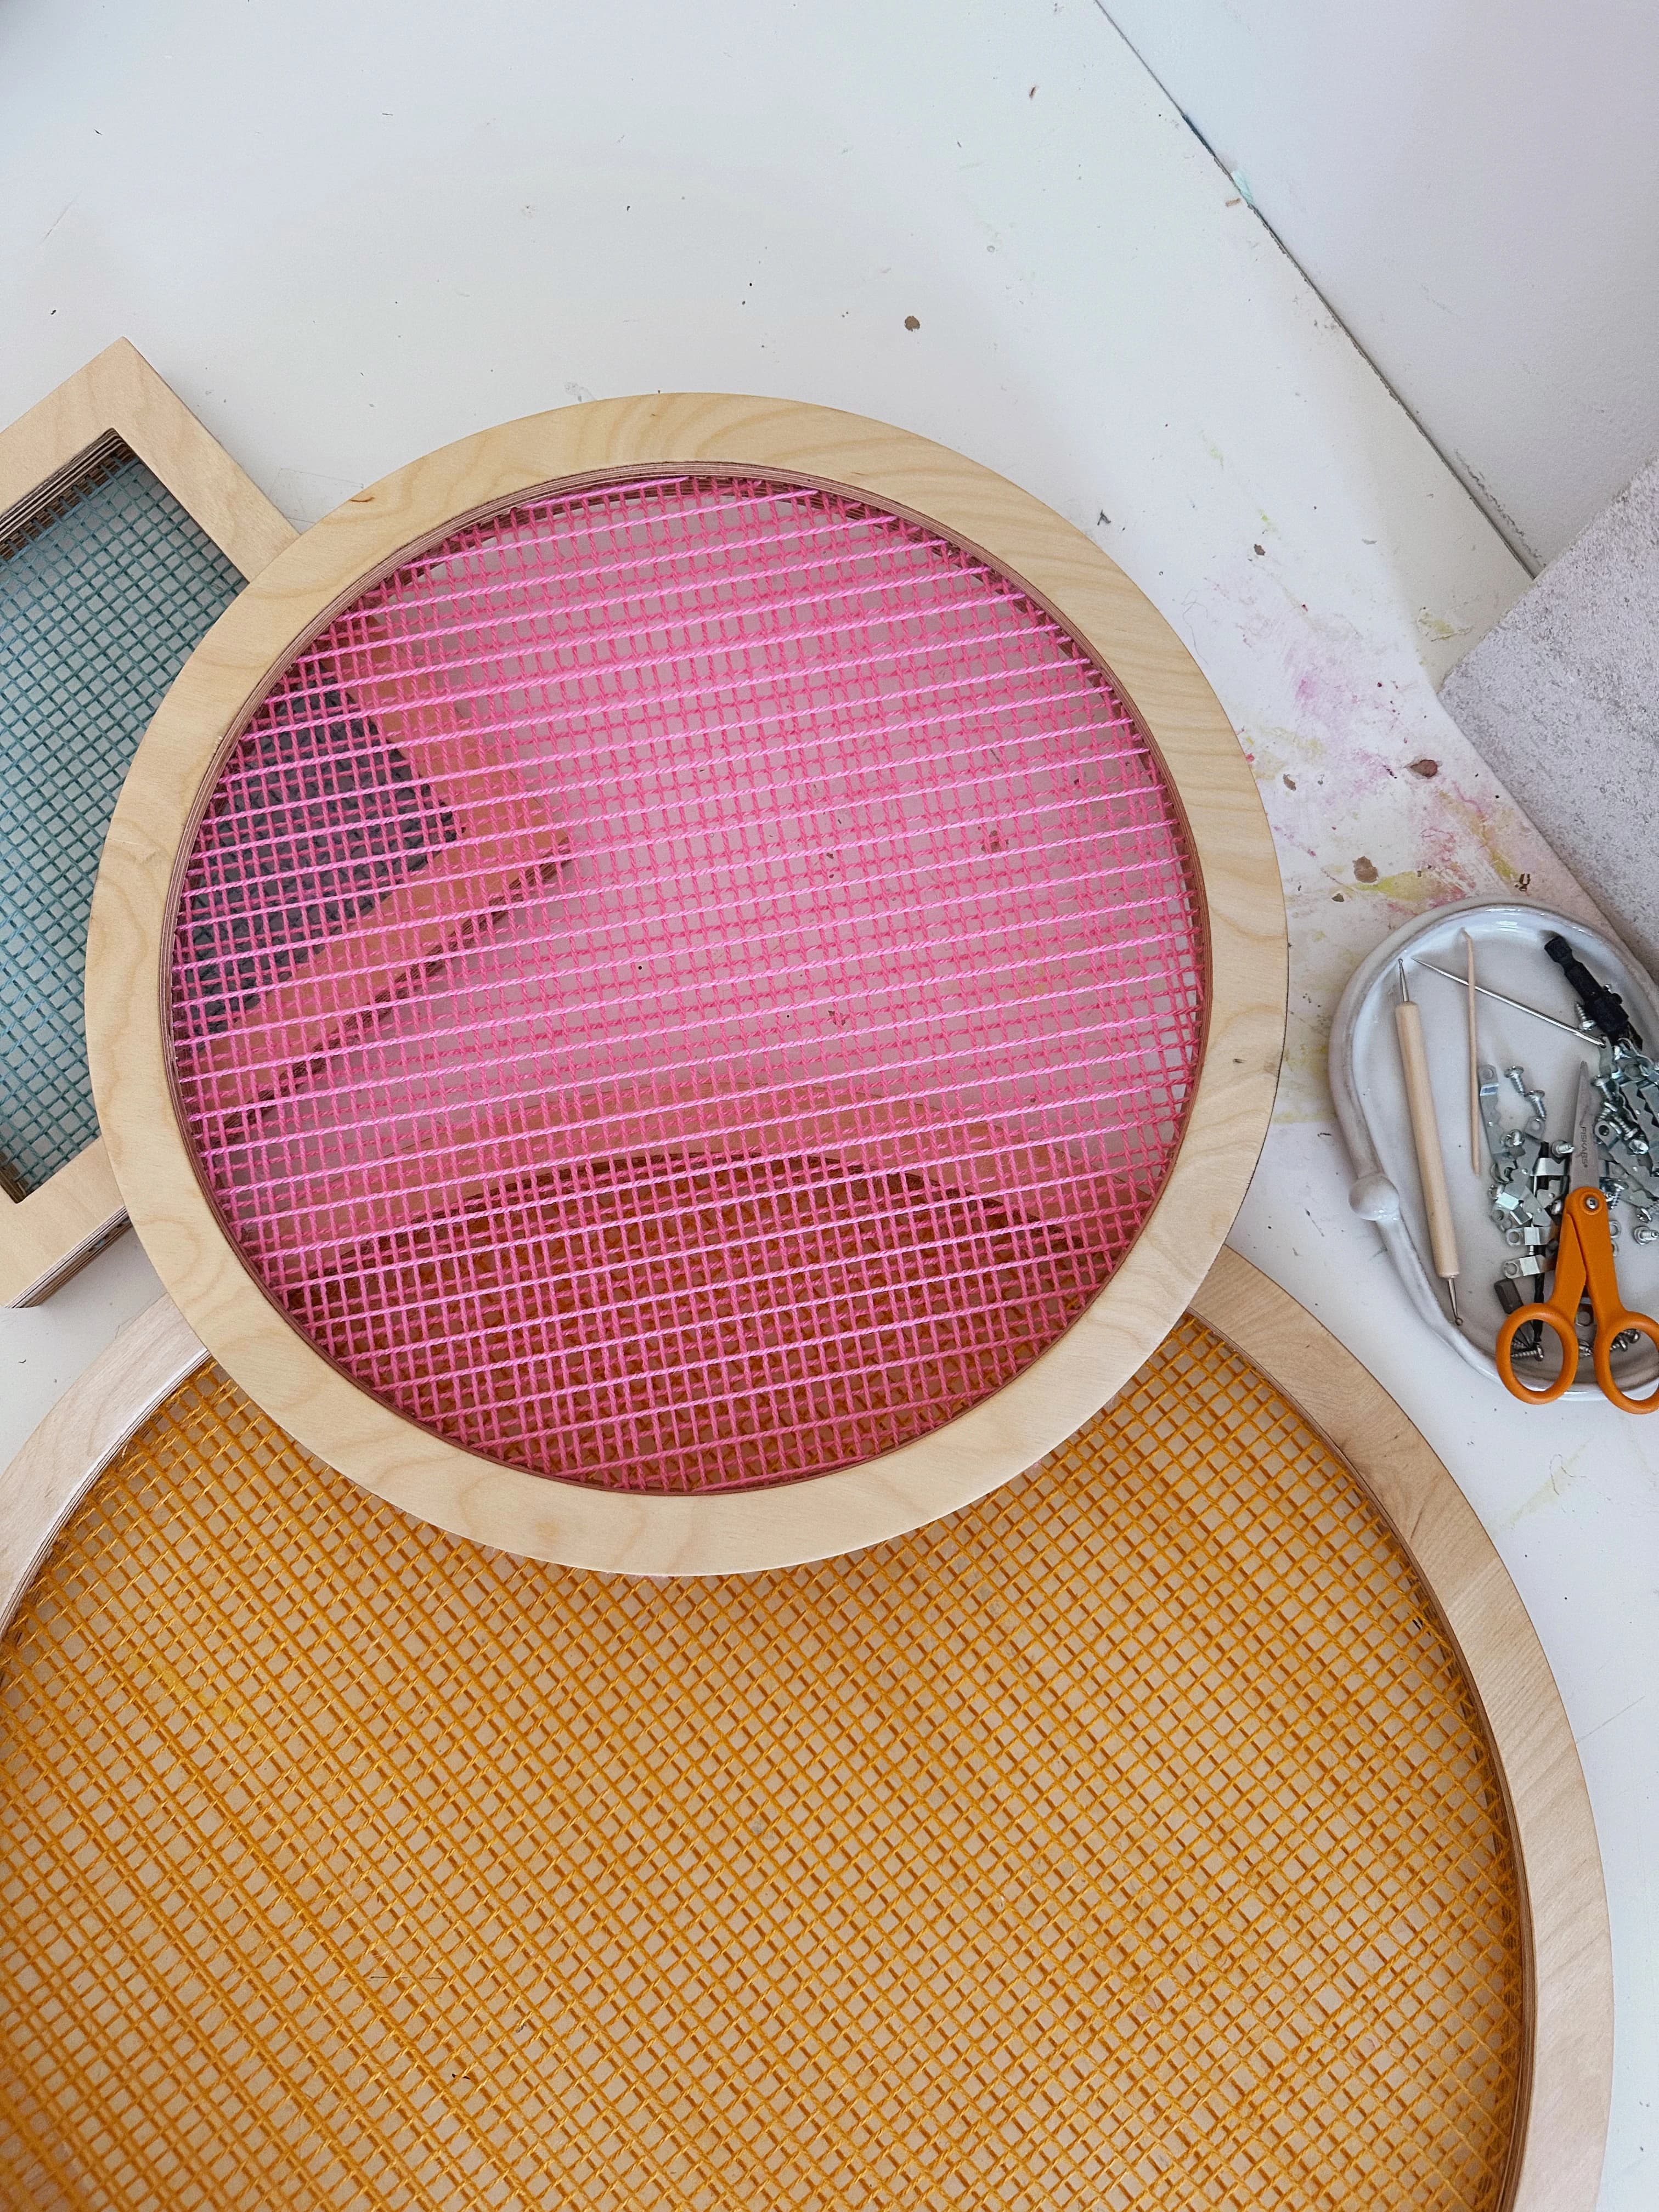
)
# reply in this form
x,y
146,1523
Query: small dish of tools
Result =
x,y
1473,1115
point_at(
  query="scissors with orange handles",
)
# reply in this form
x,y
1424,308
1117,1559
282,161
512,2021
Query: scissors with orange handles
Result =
x,y
1583,1260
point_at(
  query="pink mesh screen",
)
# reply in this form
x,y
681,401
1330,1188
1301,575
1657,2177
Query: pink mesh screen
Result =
x,y
688,985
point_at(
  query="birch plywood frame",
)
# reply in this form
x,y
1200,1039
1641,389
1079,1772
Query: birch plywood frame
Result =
x,y
848,466
1562,2136
1548,2155
115,409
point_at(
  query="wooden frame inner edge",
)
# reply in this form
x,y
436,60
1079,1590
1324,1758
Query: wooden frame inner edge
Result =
x,y
45,1237
1561,2137
102,1409
1562,2127
578,1525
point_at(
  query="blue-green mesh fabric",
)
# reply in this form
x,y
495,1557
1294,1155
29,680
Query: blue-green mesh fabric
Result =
x,y
101,600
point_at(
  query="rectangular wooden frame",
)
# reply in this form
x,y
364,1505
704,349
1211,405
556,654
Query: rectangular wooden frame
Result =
x,y
53,1231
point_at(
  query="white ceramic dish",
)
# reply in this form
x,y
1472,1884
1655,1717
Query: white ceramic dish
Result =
x,y
1369,1092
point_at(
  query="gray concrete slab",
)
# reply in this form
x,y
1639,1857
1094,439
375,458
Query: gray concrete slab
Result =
x,y
1562,698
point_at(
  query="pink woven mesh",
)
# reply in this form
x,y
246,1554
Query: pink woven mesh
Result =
x,y
690,984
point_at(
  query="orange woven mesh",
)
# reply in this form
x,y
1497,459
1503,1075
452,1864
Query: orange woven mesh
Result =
x,y
1129,1840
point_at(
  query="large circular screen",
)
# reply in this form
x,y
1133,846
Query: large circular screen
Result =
x,y
690,983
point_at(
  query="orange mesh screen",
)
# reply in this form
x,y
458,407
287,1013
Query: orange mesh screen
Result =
x,y
1129,1839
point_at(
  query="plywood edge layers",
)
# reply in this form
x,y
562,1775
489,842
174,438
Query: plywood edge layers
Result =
x,y
816,1518
118,394
48,1236
1561,2134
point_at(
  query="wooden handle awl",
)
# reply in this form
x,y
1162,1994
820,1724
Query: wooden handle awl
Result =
x,y
1430,1164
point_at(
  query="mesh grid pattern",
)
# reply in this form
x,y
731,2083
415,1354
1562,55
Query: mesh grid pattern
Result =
x,y
1129,1838
688,985
103,594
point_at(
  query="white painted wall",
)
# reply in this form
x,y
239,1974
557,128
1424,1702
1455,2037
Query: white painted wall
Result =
x,y
1474,186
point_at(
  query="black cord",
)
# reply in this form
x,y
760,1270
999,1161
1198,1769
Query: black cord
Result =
x,y
1602,1006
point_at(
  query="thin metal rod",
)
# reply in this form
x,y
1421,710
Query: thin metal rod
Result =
x,y
1475,1057
1503,999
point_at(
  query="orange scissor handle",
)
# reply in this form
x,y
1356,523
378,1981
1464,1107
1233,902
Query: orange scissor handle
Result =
x,y
1585,1260
1615,1325
1554,1320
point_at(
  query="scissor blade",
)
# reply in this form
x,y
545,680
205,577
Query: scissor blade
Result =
x,y
1586,1146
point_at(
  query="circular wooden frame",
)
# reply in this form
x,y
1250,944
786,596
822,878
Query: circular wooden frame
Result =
x,y
814,1518
1562,2110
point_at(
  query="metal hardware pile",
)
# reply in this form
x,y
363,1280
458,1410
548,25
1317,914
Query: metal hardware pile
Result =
x,y
1530,1174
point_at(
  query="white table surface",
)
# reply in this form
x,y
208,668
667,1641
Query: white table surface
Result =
x,y
348,235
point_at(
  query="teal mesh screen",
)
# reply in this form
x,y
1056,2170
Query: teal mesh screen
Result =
x,y
103,594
